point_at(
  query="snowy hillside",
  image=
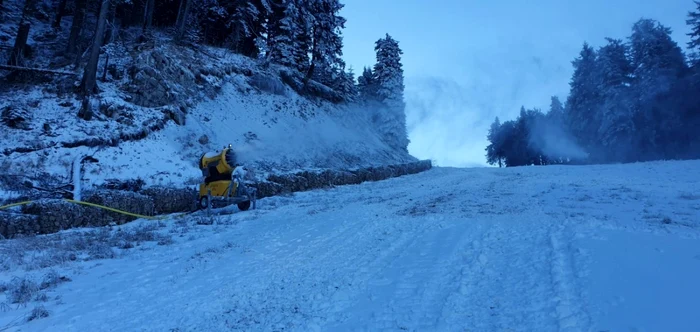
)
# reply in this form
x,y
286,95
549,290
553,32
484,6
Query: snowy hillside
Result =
x,y
271,132
166,93
558,248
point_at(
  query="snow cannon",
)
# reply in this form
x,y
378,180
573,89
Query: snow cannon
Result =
x,y
223,181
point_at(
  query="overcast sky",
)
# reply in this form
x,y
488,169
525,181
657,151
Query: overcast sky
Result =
x,y
468,61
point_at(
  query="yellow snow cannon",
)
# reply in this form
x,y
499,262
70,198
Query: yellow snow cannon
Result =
x,y
223,181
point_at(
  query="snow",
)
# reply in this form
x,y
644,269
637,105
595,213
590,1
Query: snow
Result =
x,y
566,248
664,294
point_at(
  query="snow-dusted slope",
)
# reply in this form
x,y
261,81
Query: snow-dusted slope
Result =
x,y
274,130
268,132
577,248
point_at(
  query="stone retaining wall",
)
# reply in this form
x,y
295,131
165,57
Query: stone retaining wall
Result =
x,y
50,216
53,215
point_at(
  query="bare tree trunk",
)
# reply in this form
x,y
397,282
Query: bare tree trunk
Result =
x,y
104,70
183,20
180,11
77,26
312,67
20,43
111,29
90,75
148,14
59,13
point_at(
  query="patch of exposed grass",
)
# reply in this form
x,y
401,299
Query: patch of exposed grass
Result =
x,y
44,251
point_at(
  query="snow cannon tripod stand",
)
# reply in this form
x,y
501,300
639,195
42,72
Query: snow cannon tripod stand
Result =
x,y
223,182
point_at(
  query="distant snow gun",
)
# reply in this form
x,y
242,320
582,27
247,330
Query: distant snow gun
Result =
x,y
223,182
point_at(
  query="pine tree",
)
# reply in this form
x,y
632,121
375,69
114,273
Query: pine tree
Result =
x,y
507,136
658,64
692,114
327,41
345,85
282,38
288,33
366,85
582,116
245,26
617,128
388,75
694,22
494,151
388,72
556,111
304,21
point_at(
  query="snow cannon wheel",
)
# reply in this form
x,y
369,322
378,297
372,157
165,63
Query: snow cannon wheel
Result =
x,y
203,203
244,206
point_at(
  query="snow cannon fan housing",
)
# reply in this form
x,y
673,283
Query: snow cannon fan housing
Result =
x,y
217,166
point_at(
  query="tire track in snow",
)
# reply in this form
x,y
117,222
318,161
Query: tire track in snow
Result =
x,y
570,311
415,287
309,296
505,284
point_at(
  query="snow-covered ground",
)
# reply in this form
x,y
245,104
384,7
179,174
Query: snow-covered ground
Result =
x,y
557,248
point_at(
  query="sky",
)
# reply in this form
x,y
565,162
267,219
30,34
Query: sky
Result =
x,y
468,61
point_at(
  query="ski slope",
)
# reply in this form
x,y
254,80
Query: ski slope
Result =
x,y
560,248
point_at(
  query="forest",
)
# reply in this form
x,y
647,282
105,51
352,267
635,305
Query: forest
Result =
x,y
84,38
302,35
629,100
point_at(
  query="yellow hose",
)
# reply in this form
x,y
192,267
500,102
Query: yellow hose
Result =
x,y
15,204
101,207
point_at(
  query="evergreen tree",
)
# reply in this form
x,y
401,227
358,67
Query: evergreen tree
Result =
x,y
245,25
327,42
617,128
694,22
692,98
366,85
658,64
388,75
283,44
556,111
388,72
304,21
507,136
494,151
582,116
346,85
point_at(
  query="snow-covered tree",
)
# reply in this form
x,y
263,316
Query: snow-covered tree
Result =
x,y
345,85
388,72
556,111
658,63
694,22
245,24
616,129
366,85
582,103
327,41
283,41
494,151
388,75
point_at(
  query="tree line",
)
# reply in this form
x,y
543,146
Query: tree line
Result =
x,y
630,100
